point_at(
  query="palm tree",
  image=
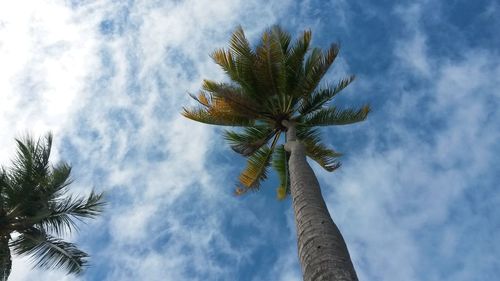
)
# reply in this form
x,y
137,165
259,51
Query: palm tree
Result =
x,y
275,91
35,210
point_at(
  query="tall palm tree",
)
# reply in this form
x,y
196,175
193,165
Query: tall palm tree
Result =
x,y
35,210
275,90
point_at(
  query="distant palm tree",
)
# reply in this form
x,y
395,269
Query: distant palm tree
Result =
x,y
275,88
35,210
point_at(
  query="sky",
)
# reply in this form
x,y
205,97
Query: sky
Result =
x,y
417,195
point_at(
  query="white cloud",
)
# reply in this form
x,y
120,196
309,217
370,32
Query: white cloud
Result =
x,y
45,58
412,52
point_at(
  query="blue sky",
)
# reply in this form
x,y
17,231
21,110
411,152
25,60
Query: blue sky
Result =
x,y
416,197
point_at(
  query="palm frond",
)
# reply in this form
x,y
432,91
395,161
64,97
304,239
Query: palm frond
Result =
x,y
49,252
336,116
26,181
315,67
58,180
222,118
62,213
238,62
219,109
256,170
280,44
5,259
226,61
251,139
32,158
325,157
323,96
295,70
283,37
297,53
268,64
280,164
238,69
240,46
230,95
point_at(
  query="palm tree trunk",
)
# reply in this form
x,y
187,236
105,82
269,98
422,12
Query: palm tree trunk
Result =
x,y
322,250
5,258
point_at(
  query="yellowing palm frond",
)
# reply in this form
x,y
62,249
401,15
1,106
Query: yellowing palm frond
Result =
x,y
256,170
218,110
221,118
233,97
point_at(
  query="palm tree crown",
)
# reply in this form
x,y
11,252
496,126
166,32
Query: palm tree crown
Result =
x,y
35,210
275,82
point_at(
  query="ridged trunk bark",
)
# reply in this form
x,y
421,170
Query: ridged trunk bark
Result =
x,y
323,253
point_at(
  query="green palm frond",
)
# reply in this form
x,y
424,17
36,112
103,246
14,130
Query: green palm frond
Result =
x,y
322,96
336,116
295,58
25,185
240,46
5,259
59,180
325,157
238,62
280,47
49,252
62,214
226,61
283,37
32,158
251,139
295,70
280,164
269,66
316,66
